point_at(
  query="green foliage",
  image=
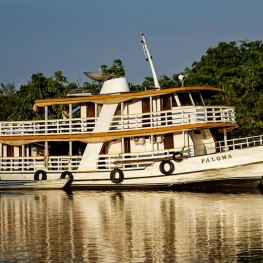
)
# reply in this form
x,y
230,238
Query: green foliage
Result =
x,y
39,87
134,87
165,82
8,89
91,86
8,100
117,69
236,68
148,82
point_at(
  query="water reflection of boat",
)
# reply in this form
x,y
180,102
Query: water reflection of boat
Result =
x,y
130,226
123,139
173,227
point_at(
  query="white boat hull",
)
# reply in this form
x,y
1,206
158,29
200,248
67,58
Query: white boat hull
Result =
x,y
237,165
243,164
160,180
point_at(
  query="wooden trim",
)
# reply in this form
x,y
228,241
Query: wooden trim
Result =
x,y
116,98
113,135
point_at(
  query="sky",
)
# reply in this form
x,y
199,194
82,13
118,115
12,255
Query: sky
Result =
x,y
75,36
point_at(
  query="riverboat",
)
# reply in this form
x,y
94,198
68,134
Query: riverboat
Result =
x,y
123,139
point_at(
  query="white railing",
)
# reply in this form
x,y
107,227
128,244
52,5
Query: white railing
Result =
x,y
27,164
48,127
141,160
107,162
240,143
174,117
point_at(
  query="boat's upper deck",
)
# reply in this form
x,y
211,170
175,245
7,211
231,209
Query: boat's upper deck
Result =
x,y
184,118
130,120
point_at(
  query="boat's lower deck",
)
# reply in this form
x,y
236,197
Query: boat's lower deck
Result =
x,y
152,169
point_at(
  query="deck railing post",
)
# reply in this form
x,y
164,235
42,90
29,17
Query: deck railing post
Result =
x,y
46,118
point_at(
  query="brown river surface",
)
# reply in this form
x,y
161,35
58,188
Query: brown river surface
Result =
x,y
131,226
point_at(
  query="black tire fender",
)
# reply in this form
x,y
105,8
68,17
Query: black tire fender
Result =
x,y
38,173
67,174
164,165
174,157
116,175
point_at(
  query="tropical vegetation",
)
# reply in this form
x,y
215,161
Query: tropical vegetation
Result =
x,y
235,67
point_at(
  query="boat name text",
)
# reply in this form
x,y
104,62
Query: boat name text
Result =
x,y
217,158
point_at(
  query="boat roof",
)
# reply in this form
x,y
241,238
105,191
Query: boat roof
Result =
x,y
117,97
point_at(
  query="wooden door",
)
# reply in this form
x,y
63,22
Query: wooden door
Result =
x,y
90,109
10,151
166,105
90,114
127,146
168,141
146,108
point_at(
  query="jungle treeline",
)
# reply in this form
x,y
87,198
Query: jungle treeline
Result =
x,y
235,67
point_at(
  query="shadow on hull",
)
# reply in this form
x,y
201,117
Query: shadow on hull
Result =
x,y
252,185
223,186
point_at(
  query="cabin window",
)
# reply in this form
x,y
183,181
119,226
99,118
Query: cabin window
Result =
x,y
184,98
196,96
165,102
174,103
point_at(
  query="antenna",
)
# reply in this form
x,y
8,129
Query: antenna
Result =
x,y
149,58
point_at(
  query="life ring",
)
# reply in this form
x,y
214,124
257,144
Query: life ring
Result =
x,y
67,174
174,156
166,167
116,176
42,173
136,139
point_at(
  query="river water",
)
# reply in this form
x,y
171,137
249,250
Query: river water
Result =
x,y
131,226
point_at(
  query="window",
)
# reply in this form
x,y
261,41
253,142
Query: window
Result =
x,y
184,98
174,103
196,96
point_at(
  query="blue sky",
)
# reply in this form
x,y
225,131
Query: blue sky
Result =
x,y
80,35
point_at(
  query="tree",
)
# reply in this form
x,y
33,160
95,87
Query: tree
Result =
x,y
40,87
8,89
116,69
166,82
8,100
236,68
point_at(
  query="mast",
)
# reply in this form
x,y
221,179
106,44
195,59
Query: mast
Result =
x,y
149,58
